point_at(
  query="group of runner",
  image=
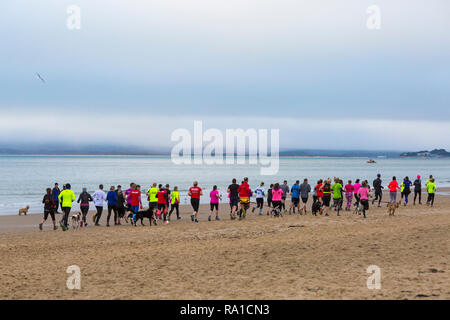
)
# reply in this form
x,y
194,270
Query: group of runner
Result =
x,y
161,198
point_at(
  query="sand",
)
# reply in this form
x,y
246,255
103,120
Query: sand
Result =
x,y
294,257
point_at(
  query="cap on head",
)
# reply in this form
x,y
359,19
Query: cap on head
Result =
x,y
418,176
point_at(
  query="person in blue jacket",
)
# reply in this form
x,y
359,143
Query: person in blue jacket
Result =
x,y
111,199
55,194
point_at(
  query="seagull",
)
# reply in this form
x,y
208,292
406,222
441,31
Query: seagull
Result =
x,y
40,78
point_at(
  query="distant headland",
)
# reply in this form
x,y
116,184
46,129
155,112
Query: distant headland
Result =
x,y
436,153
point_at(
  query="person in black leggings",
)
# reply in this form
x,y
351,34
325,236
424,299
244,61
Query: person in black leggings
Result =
x,y
84,200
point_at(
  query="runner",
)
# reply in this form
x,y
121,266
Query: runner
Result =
x,y
406,189
111,199
431,189
99,197
49,209
363,194
418,189
326,198
285,189
162,196
214,203
318,191
356,187
55,194
84,199
305,189
277,197
66,197
152,198
195,192
337,195
244,198
393,187
378,190
259,191
269,198
295,197
175,201
234,198
128,198
349,194
120,204
135,202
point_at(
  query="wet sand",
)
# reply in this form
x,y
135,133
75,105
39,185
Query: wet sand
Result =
x,y
293,257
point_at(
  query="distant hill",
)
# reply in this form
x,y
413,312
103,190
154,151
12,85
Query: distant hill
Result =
x,y
436,153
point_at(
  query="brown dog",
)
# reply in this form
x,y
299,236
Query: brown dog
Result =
x,y
24,211
392,206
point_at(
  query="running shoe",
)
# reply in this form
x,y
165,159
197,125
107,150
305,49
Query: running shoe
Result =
x,y
209,218
40,226
192,218
217,218
196,220
55,227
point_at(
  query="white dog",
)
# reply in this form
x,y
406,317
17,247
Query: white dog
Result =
x,y
76,219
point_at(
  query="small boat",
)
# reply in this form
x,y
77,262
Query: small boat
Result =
x,y
370,161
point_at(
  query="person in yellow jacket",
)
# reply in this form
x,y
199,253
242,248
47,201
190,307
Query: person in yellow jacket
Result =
x,y
175,201
431,189
66,197
152,197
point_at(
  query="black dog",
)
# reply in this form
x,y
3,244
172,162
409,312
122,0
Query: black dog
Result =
x,y
316,207
140,215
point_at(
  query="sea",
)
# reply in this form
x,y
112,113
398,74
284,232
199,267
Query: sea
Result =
x,y
24,178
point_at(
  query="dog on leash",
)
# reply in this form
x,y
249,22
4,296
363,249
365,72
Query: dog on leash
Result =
x,y
76,220
392,206
24,211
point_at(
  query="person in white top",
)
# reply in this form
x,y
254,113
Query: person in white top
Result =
x,y
99,197
259,191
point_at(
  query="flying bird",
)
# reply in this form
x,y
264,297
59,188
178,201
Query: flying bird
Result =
x,y
40,78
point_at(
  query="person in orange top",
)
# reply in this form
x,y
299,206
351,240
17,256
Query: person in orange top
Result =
x,y
393,187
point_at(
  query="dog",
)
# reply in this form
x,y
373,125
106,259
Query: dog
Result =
x,y
24,211
76,220
140,215
392,206
316,208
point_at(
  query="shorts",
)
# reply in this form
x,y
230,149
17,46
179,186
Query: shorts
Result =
x,y
365,204
162,207
305,200
214,205
326,200
276,204
245,201
234,201
295,201
195,203
50,212
135,209
152,205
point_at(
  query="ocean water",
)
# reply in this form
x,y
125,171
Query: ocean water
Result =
x,y
23,179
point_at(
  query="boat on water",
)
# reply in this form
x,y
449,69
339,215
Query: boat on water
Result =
x,y
370,161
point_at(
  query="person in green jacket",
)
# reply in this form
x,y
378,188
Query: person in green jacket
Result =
x,y
66,197
431,189
175,201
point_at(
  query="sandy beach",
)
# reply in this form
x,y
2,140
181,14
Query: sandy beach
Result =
x,y
293,257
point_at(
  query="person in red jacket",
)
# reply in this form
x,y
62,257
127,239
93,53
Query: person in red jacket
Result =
x,y
393,187
244,198
162,196
135,201
195,192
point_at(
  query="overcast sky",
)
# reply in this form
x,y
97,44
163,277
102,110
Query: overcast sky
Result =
x,y
310,68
